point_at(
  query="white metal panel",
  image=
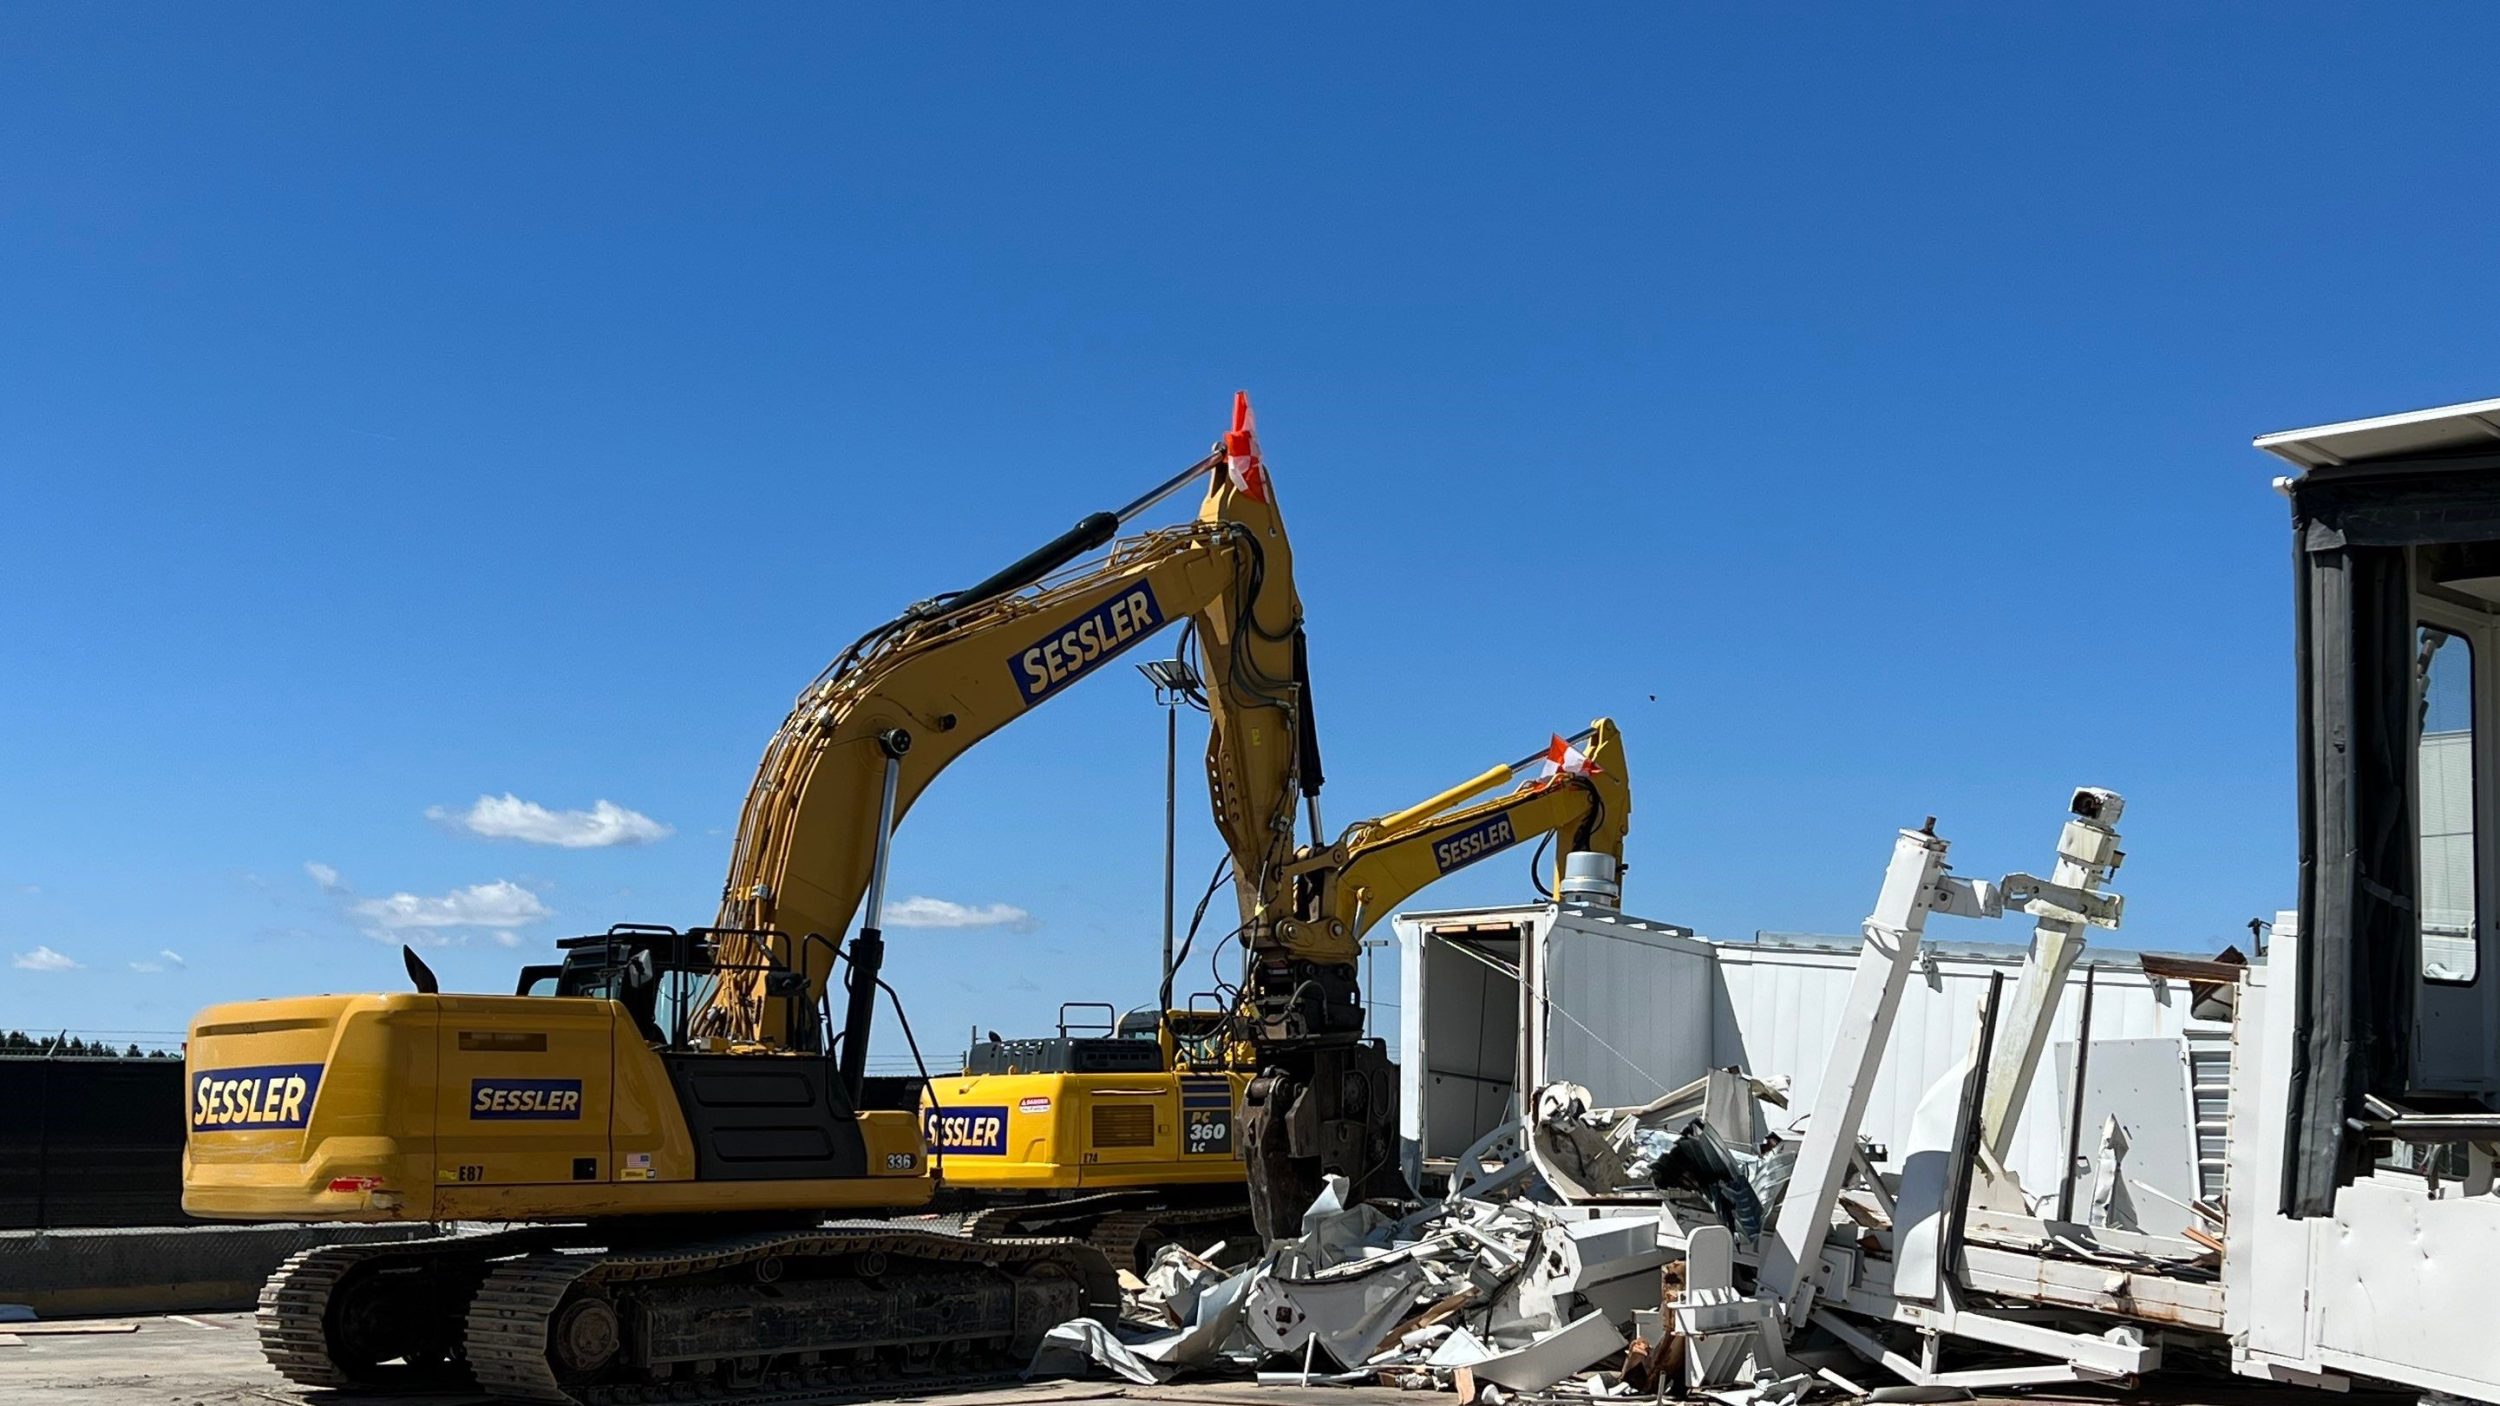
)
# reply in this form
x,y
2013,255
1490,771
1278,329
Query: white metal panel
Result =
x,y
2402,1276
1625,1011
2387,436
2266,1267
2144,1085
1778,1002
2396,1284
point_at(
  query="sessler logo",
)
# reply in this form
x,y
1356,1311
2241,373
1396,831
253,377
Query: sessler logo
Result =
x,y
1474,843
977,1132
1054,663
249,1100
513,1099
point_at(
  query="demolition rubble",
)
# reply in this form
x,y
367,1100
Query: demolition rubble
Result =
x,y
1560,1265
1676,1247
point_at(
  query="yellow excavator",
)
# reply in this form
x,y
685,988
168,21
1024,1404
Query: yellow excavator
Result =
x,y
666,1118
1130,1138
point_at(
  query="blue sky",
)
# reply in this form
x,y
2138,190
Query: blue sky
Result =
x,y
405,405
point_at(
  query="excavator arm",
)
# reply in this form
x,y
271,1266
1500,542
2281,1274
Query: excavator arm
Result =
x,y
1377,865
1325,1099
871,733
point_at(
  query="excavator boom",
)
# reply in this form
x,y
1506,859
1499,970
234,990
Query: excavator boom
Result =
x,y
870,734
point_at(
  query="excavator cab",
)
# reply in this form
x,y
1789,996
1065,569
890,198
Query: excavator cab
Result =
x,y
661,976
2396,1036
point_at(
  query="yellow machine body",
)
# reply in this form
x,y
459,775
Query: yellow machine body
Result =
x,y
416,1107
1086,1132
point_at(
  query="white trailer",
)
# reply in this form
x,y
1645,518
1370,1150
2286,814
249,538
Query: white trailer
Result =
x,y
1498,1002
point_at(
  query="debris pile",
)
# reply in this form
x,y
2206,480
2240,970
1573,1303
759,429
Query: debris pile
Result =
x,y
1544,1273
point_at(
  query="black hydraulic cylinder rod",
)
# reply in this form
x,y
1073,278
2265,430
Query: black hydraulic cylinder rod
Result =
x,y
868,948
867,957
1092,531
1307,722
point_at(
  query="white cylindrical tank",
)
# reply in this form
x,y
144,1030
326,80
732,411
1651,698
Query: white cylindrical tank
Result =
x,y
1592,879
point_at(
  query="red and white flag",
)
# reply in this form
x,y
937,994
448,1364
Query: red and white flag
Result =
x,y
1563,759
1241,451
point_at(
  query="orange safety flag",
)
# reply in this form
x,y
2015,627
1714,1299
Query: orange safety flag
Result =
x,y
1241,451
1563,759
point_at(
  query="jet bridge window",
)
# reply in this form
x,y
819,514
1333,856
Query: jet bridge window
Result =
x,y
2445,765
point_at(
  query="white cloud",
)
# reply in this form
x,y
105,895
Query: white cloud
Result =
x,y
501,904
918,912
508,817
172,957
507,938
44,959
324,877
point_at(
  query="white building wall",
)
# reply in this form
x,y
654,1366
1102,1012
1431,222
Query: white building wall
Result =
x,y
1627,1011
1779,1002
1630,1008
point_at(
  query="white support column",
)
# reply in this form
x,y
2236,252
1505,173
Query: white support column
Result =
x,y
2087,850
1891,948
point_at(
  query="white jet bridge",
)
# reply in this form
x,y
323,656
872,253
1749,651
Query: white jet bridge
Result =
x,y
2359,1234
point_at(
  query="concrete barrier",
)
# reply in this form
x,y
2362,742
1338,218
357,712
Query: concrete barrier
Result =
x,y
175,1269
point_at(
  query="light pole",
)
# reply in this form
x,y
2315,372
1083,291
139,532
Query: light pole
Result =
x,y
1175,684
1371,1001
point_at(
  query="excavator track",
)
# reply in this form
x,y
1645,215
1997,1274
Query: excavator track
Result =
x,y
814,1315
1132,1237
1126,1226
541,1314
325,1315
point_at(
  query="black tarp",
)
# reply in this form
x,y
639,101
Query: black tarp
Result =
x,y
90,1142
2358,862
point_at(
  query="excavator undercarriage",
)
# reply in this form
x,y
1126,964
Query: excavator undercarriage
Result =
x,y
652,1313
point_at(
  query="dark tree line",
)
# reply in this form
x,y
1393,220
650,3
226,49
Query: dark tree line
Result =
x,y
18,1042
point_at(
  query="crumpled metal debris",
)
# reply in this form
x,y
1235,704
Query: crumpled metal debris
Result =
x,y
1699,1147
1535,1294
1532,1277
1456,1285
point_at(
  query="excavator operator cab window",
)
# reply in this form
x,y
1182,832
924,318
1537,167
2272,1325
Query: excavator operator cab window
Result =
x,y
627,974
662,977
